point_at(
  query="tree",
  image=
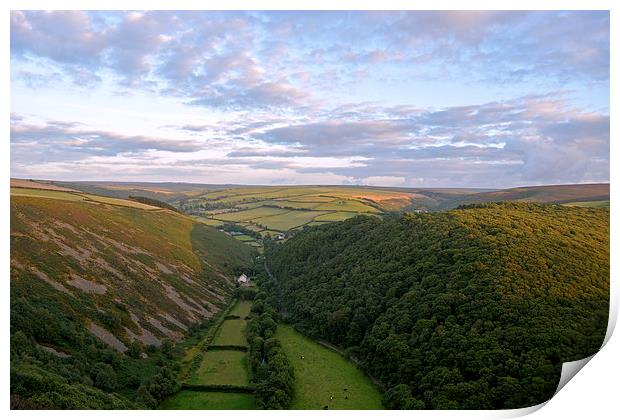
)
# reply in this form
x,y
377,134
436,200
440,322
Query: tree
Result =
x,y
145,398
135,349
105,377
167,347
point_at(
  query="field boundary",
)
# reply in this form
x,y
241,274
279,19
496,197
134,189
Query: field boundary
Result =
x,y
194,362
234,347
235,389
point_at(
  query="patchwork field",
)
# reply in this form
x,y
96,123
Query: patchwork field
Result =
x,y
280,210
217,366
323,378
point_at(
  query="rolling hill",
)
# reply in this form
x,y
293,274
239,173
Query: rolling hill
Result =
x,y
559,194
281,211
474,308
90,274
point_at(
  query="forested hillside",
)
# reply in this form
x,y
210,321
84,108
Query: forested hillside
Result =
x,y
475,308
100,289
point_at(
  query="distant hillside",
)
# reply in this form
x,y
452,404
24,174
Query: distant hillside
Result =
x,y
559,194
467,309
399,199
90,274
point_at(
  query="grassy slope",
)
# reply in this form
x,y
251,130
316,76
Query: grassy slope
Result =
x,y
158,269
322,376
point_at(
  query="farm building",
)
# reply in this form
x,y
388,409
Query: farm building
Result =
x,y
243,279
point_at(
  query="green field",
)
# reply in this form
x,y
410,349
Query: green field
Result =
x,y
337,216
242,309
595,204
289,220
244,238
322,376
347,205
221,367
231,332
208,222
243,215
196,400
311,199
298,205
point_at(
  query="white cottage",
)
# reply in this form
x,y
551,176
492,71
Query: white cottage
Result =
x,y
243,279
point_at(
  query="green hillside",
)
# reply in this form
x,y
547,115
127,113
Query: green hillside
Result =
x,y
475,308
559,194
100,287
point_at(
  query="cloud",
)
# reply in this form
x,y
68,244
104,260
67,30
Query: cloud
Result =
x,y
237,60
534,138
330,95
62,36
388,181
67,141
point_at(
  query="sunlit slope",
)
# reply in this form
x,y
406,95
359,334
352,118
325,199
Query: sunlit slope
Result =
x,y
540,194
124,272
472,308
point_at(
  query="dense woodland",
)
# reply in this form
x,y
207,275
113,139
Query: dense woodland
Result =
x,y
475,308
270,368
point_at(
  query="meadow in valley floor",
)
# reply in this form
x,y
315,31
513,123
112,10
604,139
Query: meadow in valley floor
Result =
x,y
324,378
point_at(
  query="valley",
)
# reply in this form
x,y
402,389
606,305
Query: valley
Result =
x,y
133,302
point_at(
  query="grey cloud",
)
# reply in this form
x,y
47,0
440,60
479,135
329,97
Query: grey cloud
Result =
x,y
531,138
338,132
62,141
265,94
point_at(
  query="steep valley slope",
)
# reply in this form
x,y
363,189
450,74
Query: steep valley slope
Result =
x,y
474,308
88,276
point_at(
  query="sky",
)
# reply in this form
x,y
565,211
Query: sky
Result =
x,y
491,99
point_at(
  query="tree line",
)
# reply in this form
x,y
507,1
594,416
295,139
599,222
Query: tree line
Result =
x,y
270,368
